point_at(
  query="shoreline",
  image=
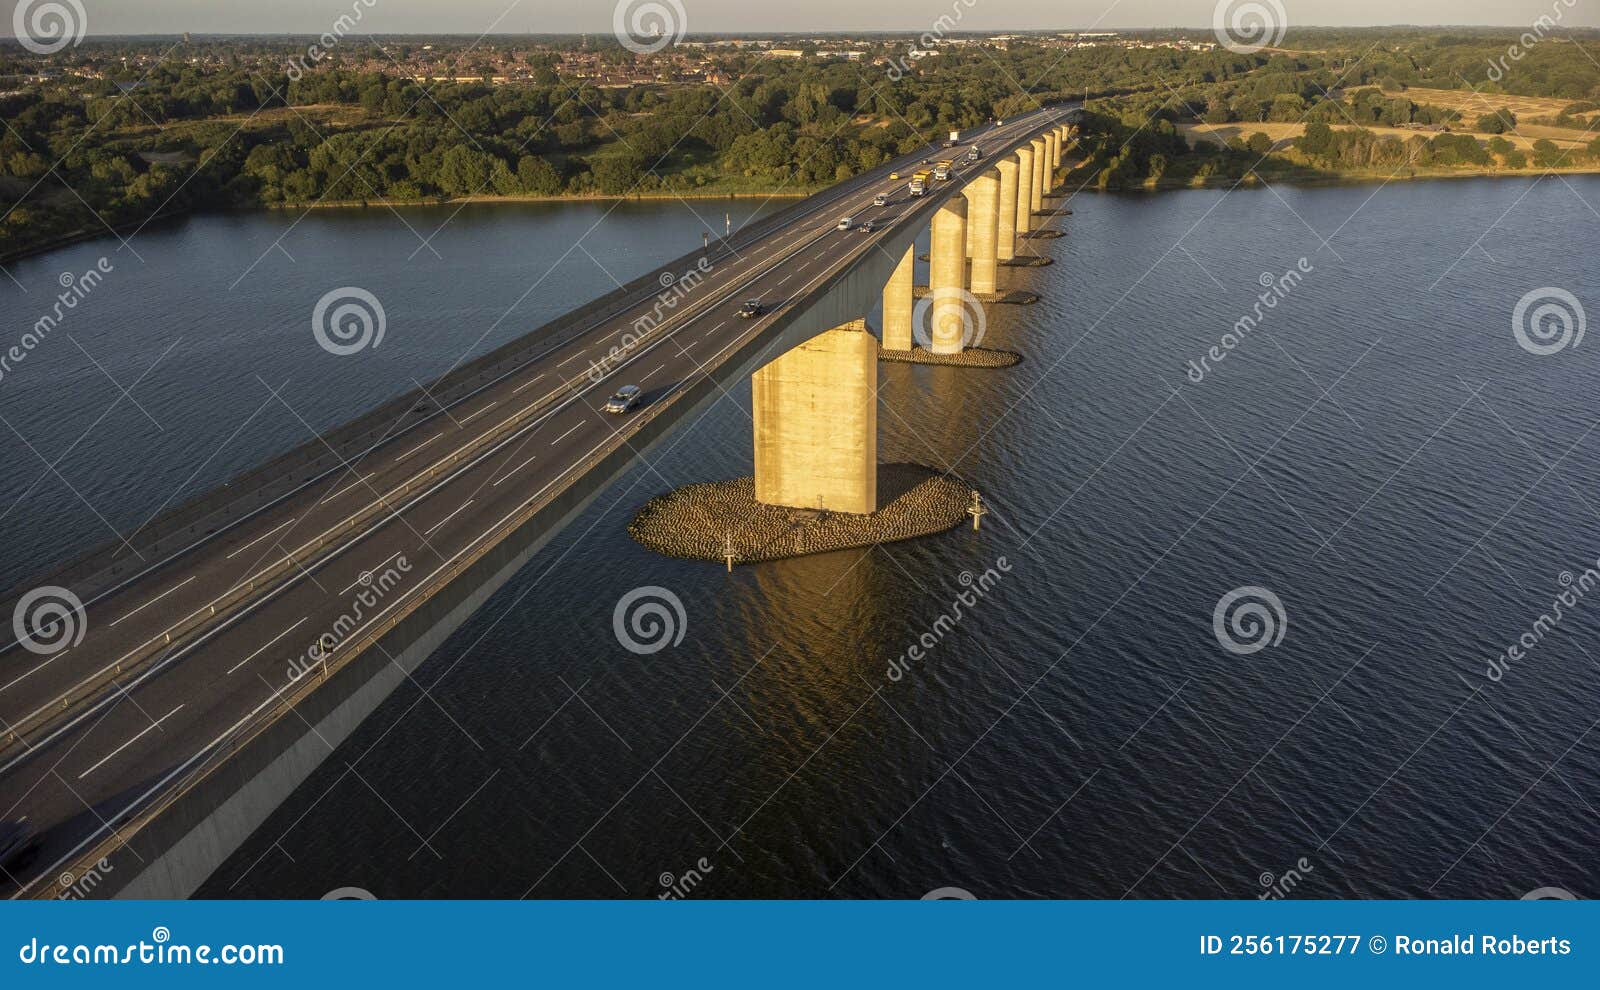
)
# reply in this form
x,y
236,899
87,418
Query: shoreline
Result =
x,y
1164,185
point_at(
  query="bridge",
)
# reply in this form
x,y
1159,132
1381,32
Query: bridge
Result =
x,y
217,659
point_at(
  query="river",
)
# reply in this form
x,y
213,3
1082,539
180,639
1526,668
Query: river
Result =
x,y
1375,450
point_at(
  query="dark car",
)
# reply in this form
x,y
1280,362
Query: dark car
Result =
x,y
17,839
751,309
625,398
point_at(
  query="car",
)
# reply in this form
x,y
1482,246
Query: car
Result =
x,y
894,175
925,161
17,839
868,227
882,199
845,223
624,399
751,309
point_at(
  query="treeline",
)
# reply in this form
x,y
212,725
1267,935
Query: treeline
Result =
x,y
182,137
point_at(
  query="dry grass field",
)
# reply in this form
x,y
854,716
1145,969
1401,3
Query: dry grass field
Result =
x,y
1472,105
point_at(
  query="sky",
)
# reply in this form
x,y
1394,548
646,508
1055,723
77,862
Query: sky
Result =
x,y
111,17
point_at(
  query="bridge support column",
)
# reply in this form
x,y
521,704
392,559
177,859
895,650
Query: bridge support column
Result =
x,y
983,217
816,423
1041,165
1005,246
1050,161
947,272
1024,190
898,304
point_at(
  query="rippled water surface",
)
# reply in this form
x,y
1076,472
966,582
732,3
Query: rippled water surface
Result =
x,y
1379,453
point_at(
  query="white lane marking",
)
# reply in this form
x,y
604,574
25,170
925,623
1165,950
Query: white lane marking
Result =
x,y
514,470
565,435
33,670
418,447
257,539
358,481
572,358
449,517
130,742
480,412
264,649
649,374
369,571
156,598
527,383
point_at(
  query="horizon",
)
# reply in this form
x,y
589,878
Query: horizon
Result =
x,y
719,18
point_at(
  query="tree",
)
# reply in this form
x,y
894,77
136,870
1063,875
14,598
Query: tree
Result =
x,y
1498,122
1317,140
1259,144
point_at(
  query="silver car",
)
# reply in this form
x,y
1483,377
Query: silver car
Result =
x,y
624,399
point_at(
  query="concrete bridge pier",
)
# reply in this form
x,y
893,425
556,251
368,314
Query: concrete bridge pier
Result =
x,y
1024,193
815,411
983,230
1041,165
947,271
1006,223
899,303
1052,154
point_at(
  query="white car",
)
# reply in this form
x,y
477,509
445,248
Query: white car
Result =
x,y
845,223
625,399
881,199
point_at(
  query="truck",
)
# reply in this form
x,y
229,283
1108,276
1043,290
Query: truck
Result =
x,y
955,139
919,182
974,153
941,171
